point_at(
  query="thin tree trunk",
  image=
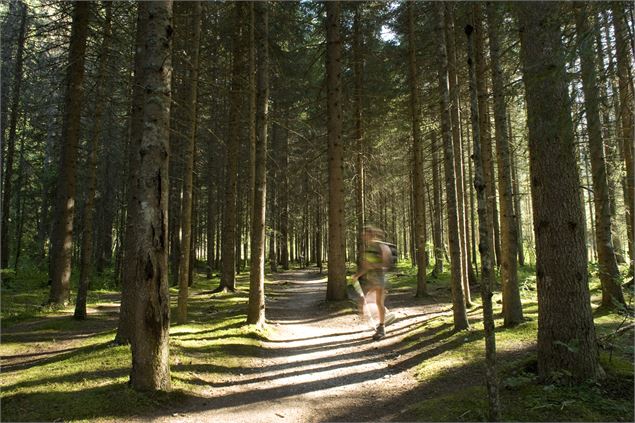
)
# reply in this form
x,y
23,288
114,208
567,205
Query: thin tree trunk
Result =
x,y
8,159
256,309
517,196
336,285
458,302
417,160
20,200
437,232
149,270
608,270
62,233
485,127
228,245
611,143
627,92
485,241
125,328
85,270
284,200
458,151
358,69
586,193
512,307
194,10
566,334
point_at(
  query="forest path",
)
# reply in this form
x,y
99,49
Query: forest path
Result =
x,y
320,363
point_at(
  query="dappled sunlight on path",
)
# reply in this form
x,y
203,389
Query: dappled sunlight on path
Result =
x,y
319,361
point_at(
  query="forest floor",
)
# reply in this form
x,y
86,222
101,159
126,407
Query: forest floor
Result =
x,y
314,361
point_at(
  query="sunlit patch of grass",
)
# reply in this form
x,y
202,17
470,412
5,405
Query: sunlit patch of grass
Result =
x,y
85,377
522,397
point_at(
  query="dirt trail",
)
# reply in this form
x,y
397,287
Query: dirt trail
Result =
x,y
319,364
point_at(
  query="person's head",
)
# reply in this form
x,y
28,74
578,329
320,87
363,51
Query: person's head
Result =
x,y
372,233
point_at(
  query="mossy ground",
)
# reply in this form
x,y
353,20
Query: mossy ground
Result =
x,y
70,370
522,398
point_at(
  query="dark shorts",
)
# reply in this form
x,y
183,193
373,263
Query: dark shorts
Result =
x,y
373,281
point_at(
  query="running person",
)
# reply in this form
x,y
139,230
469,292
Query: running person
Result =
x,y
375,260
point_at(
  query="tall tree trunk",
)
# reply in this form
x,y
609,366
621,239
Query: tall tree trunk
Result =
x,y
458,302
627,92
8,159
417,161
8,33
566,334
252,98
62,233
228,244
458,150
358,70
437,232
485,240
125,328
256,310
284,199
512,307
85,269
190,105
516,196
211,210
149,270
611,142
272,188
336,285
609,272
485,127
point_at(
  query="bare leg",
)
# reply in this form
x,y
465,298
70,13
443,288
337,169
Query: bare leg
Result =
x,y
381,310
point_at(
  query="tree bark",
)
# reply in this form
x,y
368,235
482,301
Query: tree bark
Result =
x,y
417,160
485,240
284,200
125,328
627,91
566,333
336,285
516,196
458,149
609,272
8,159
358,70
228,244
149,270
512,307
458,301
437,231
256,310
485,127
62,232
85,269
190,105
